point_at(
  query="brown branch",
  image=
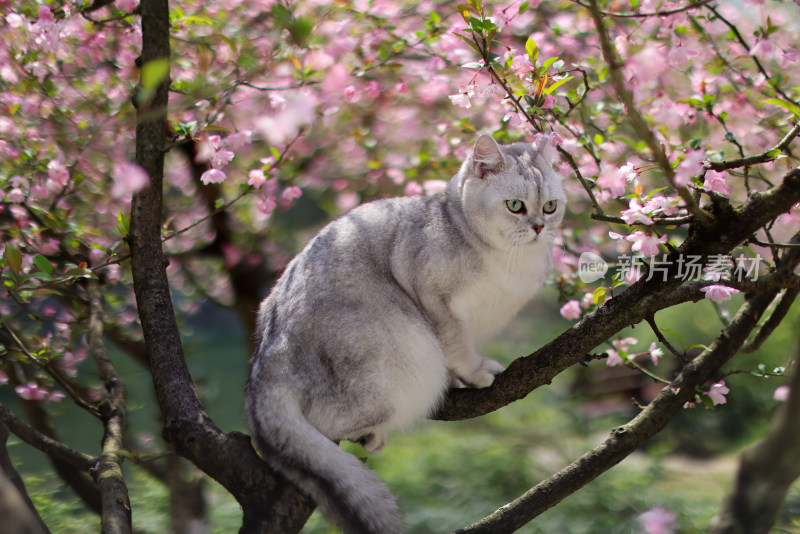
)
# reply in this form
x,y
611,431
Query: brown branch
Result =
x,y
116,516
269,502
764,157
44,443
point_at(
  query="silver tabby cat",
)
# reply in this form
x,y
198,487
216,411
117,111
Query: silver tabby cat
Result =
x,y
381,312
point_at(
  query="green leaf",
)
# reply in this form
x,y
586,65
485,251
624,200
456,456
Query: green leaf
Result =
x,y
469,41
794,108
123,224
556,85
472,65
43,264
532,50
549,62
476,24
154,72
524,6
599,295
13,258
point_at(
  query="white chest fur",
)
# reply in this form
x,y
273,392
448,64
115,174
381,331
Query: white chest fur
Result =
x,y
498,291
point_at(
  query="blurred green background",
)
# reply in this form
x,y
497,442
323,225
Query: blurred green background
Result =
x,y
447,475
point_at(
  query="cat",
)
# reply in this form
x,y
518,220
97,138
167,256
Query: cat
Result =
x,y
380,313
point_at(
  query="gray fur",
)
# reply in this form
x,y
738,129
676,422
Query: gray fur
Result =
x,y
381,312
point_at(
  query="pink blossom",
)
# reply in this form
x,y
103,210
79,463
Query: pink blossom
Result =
x,y
213,176
460,100
256,178
614,358
221,158
127,5
655,352
788,57
635,214
571,310
431,187
350,93
15,20
335,79
521,65
31,391
689,167
762,48
373,89
413,189
715,181
645,243
657,520
717,393
266,205
55,396
290,193
45,15
678,58
719,293
129,178
781,393
614,180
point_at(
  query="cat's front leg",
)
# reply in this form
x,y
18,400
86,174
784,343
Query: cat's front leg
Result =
x,y
463,360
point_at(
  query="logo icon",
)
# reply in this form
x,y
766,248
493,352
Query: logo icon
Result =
x,y
591,267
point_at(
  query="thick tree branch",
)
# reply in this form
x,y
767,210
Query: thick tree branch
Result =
x,y
116,516
44,443
269,503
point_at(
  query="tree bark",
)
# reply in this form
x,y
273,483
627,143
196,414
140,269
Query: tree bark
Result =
x,y
269,503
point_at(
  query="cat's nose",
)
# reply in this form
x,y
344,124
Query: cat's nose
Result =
x,y
537,228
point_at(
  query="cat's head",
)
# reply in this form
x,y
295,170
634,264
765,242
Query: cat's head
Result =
x,y
510,194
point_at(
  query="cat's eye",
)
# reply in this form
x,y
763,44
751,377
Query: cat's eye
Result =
x,y
549,207
515,206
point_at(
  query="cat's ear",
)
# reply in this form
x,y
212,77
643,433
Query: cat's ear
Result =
x,y
486,156
543,144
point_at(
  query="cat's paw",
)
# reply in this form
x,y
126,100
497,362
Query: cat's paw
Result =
x,y
483,376
375,442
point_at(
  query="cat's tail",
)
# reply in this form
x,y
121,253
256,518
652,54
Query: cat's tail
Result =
x,y
348,493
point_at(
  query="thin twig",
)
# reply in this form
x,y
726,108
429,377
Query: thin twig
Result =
x,y
764,157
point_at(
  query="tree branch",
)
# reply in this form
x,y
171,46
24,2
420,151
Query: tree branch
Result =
x,y
48,445
764,157
116,516
269,502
